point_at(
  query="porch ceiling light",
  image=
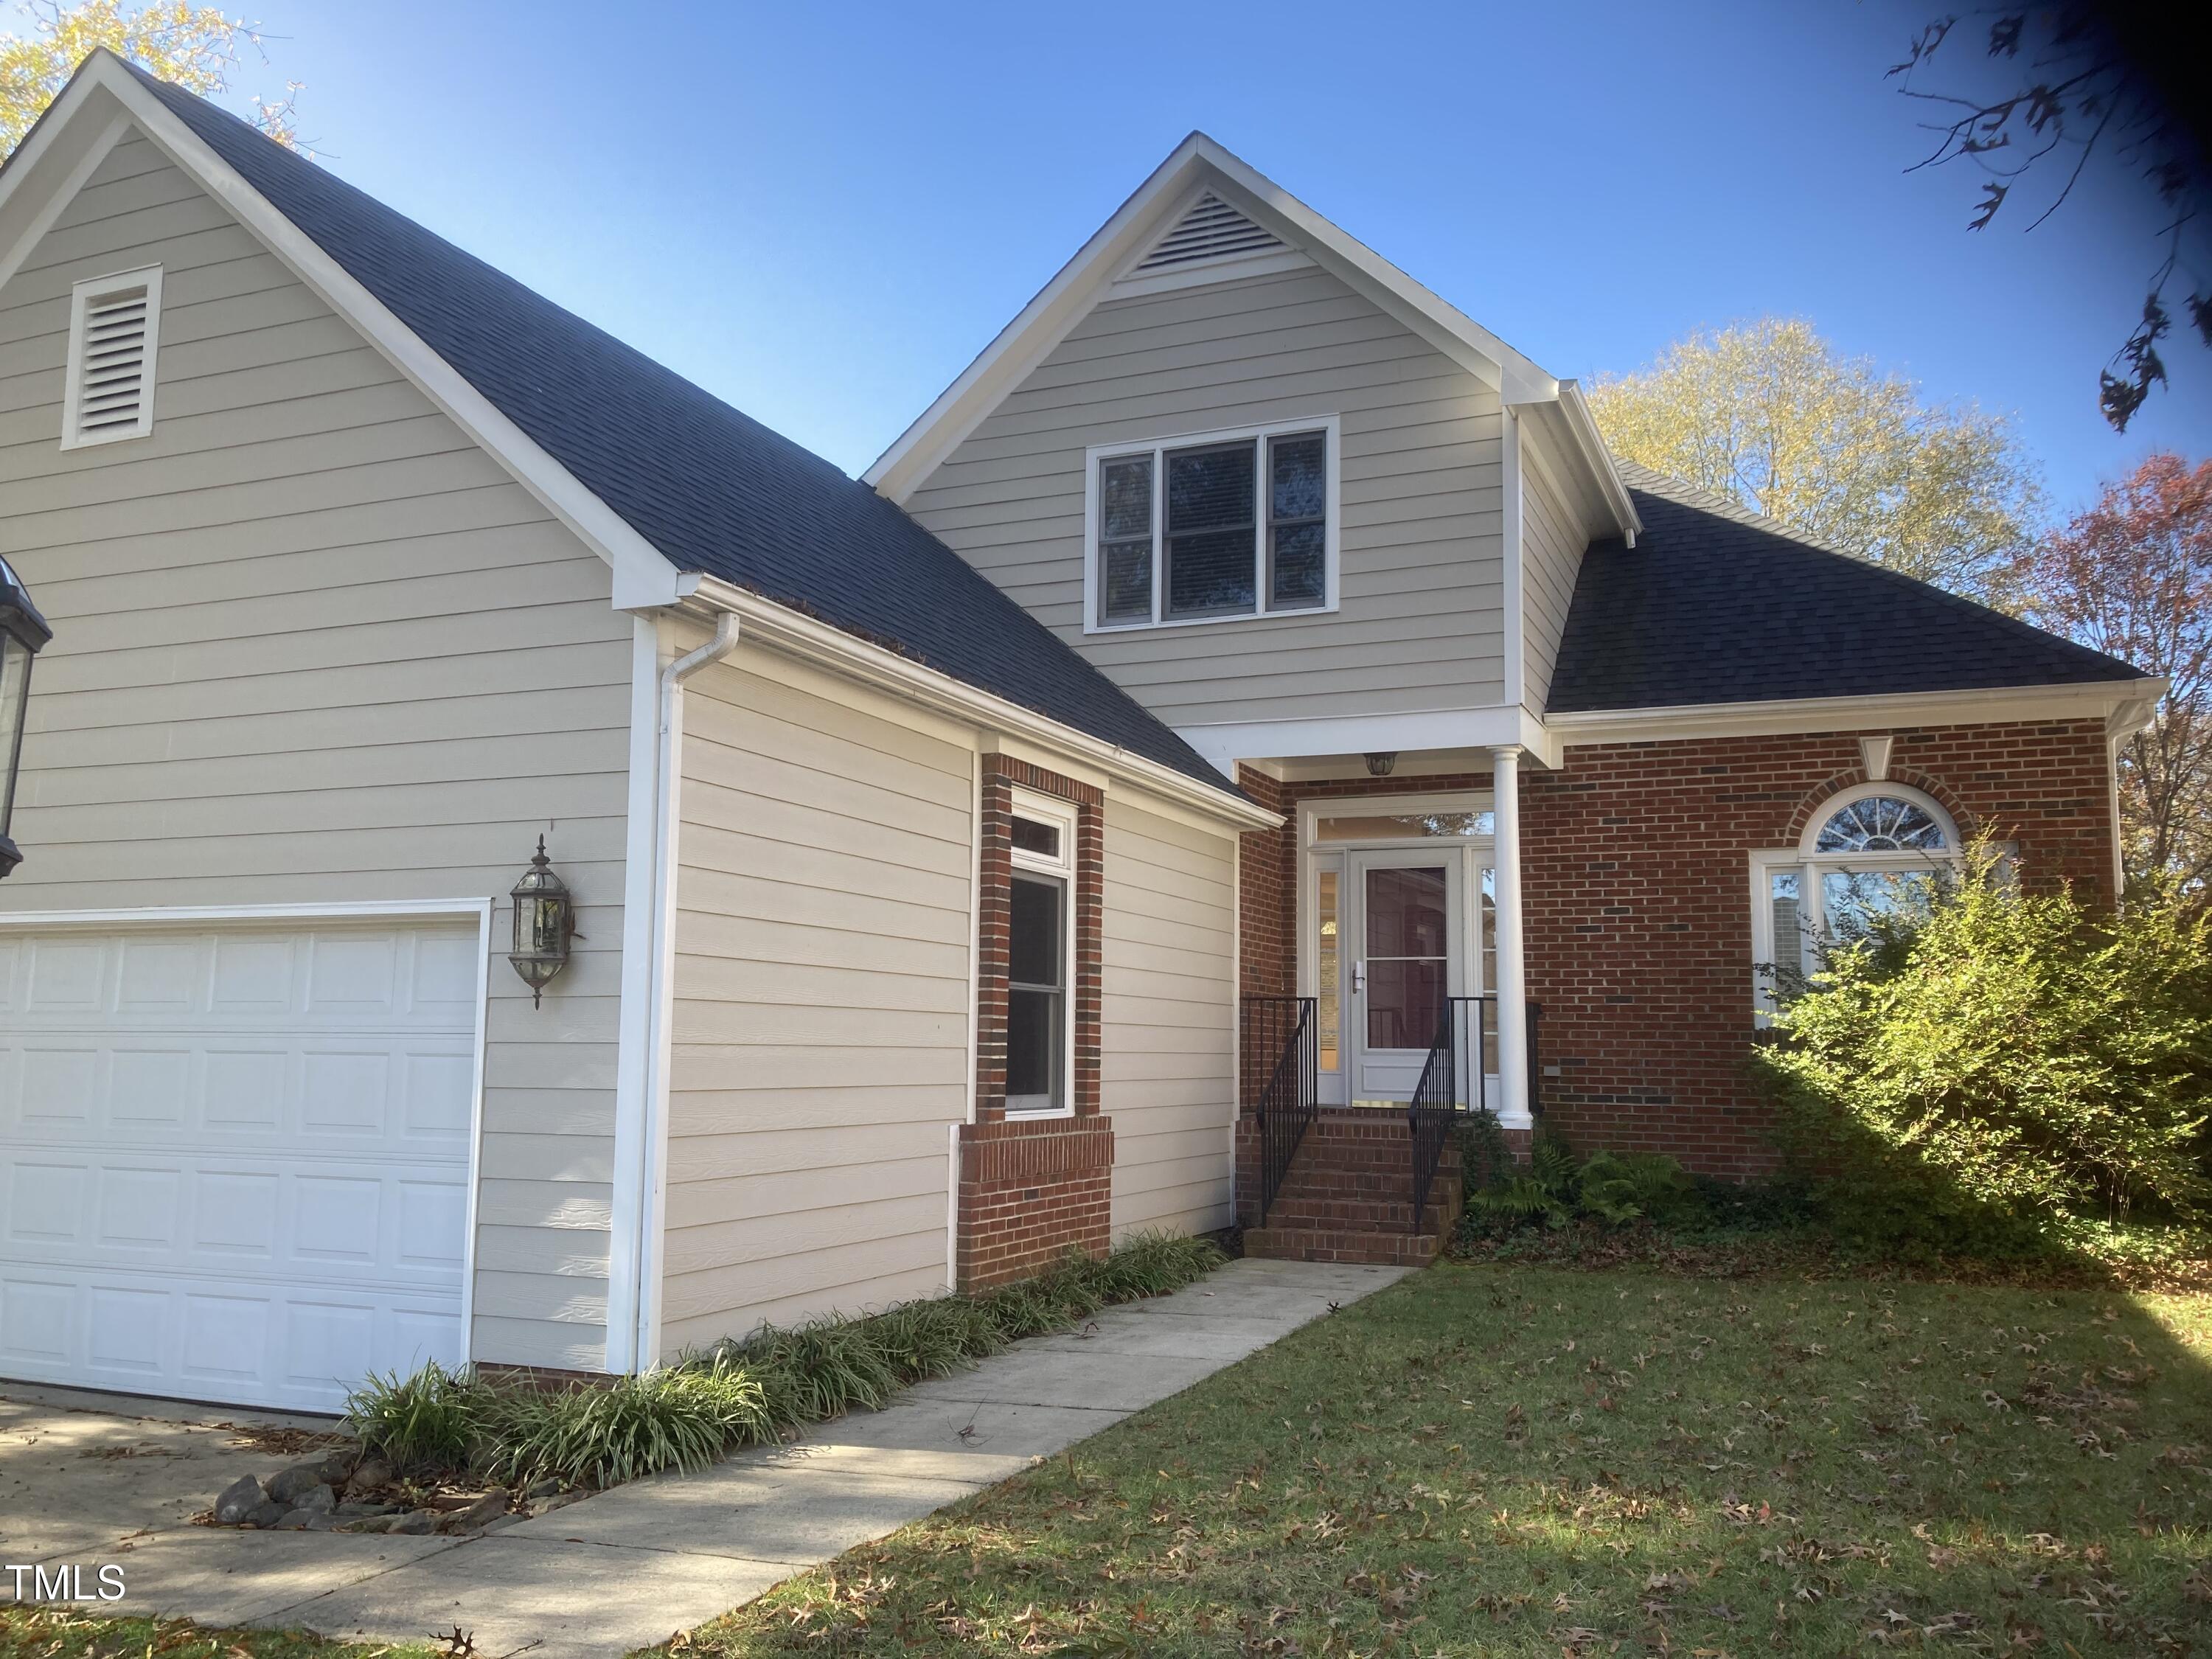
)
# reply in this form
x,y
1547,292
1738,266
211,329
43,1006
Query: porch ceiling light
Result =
x,y
23,633
1381,765
544,920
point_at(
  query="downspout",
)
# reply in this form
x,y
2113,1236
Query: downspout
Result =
x,y
653,1148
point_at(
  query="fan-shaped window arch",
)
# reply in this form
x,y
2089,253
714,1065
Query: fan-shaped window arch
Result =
x,y
1875,850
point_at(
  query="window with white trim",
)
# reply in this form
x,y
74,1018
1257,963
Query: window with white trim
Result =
x,y
1874,851
1213,526
115,326
1041,957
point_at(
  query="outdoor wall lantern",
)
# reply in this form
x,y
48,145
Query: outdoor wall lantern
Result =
x,y
22,632
544,919
1381,765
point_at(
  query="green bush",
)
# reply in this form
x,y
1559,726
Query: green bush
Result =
x,y
2000,1069
1557,1189
744,1392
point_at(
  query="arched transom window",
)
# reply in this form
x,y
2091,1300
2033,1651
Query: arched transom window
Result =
x,y
1871,851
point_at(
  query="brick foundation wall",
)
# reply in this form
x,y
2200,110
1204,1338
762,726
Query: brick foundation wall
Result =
x,y
1030,1189
1637,900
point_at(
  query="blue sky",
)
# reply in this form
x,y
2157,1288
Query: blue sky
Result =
x,y
822,213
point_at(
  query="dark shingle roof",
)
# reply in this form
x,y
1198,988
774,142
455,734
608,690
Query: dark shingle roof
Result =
x,y
1714,605
712,488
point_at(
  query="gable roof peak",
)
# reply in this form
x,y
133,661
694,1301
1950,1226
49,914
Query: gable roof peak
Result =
x,y
1200,161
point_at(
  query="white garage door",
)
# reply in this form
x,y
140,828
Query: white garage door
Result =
x,y
235,1160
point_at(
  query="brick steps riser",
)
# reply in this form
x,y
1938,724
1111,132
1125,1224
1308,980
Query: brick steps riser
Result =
x,y
1325,1244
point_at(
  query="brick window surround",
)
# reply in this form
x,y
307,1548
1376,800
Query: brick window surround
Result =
x,y
1031,1188
1636,898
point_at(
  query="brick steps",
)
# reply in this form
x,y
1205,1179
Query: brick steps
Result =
x,y
1348,1196
1322,1244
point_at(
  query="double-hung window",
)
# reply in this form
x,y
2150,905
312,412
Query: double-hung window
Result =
x,y
1200,529
1041,956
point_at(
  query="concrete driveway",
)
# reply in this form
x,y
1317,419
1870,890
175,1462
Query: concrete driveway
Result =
x,y
92,1479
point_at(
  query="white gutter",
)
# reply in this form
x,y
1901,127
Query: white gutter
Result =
x,y
659,1044
788,630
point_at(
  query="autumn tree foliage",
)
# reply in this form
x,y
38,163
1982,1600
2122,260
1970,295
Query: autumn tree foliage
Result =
x,y
2132,577
1774,417
195,47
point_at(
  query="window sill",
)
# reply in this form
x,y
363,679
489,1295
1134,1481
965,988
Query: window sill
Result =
x,y
1015,1114
1210,622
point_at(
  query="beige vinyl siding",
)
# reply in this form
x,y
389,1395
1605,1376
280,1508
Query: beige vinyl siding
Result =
x,y
312,645
1420,624
1168,1014
823,957
1552,543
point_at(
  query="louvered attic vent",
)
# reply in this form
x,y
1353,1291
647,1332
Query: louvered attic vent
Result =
x,y
114,329
1210,230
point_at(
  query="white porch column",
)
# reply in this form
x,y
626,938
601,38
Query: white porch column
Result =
x,y
1512,987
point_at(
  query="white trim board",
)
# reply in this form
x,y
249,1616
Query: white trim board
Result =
x,y
2094,699
198,915
1484,726
790,633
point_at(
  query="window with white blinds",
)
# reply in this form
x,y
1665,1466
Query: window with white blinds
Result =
x,y
1212,526
114,332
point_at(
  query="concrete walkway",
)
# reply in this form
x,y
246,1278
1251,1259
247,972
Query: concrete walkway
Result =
x,y
630,1567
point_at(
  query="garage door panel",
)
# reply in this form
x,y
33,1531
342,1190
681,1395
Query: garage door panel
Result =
x,y
394,1091
235,1162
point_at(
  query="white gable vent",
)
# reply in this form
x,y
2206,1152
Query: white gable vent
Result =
x,y
1210,230
114,329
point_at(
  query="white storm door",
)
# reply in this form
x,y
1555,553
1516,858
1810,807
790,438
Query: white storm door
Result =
x,y
1405,949
235,1160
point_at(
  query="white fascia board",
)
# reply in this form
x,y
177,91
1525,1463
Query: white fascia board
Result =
x,y
2094,699
36,187
1488,726
1039,326
643,575
782,629
1517,379
1198,163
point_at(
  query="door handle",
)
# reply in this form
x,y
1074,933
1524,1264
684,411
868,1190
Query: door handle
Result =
x,y
1358,978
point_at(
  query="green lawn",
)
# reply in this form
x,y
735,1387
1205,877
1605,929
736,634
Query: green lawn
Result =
x,y
60,1633
1489,1460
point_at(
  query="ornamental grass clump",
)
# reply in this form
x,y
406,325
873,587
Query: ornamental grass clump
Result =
x,y
741,1393
429,1420
2002,1071
601,1434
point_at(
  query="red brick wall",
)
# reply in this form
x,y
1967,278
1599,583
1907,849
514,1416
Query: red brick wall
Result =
x,y
1637,896
1032,1188
1637,904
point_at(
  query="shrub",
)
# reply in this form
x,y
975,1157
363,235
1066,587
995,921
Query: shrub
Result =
x,y
1612,1187
2000,1068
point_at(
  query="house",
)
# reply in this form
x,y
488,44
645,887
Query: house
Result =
x,y
1166,786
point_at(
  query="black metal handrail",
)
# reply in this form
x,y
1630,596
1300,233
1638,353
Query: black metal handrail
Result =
x,y
1281,1072
1436,1106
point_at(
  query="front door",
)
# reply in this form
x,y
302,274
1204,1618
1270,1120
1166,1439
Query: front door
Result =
x,y
1403,916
